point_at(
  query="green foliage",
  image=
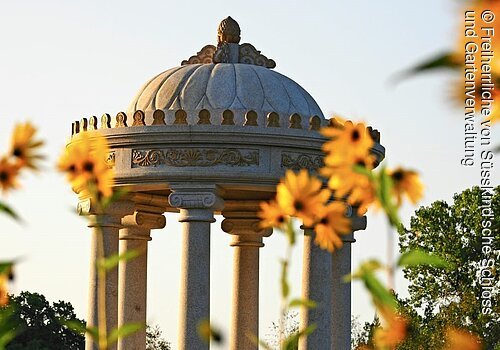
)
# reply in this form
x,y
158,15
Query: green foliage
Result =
x,y
4,208
8,326
452,297
367,274
154,339
365,336
440,61
39,326
418,257
123,331
112,261
289,329
384,194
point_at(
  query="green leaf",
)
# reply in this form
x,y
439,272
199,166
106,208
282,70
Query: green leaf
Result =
x,y
112,261
363,170
292,342
368,266
5,267
285,288
260,342
8,326
93,331
310,304
124,331
384,194
379,293
9,211
116,195
418,257
206,332
290,232
75,325
440,61
366,273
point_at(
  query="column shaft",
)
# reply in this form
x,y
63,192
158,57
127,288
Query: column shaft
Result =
x,y
316,286
245,315
133,289
341,296
195,278
106,229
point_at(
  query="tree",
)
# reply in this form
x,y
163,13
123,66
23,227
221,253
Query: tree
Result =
x,y
290,327
154,340
40,326
454,297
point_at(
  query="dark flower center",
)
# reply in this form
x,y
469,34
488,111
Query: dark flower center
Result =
x,y
17,152
398,175
355,136
72,168
4,176
324,221
298,205
88,166
281,219
361,163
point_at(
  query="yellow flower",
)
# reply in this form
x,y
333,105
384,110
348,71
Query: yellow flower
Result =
x,y
8,174
84,163
4,295
271,215
357,187
332,223
5,276
393,333
363,196
347,141
406,182
23,145
301,195
457,339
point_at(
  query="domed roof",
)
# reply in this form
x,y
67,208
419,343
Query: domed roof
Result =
x,y
224,86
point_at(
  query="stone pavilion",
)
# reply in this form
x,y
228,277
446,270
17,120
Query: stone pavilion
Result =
x,y
214,136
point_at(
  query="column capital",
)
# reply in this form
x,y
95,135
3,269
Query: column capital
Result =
x,y
139,225
196,197
358,222
242,221
109,216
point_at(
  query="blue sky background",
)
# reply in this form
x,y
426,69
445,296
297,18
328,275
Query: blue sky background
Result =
x,y
64,60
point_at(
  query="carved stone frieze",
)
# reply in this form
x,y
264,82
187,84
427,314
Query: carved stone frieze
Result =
x,y
110,159
196,157
296,161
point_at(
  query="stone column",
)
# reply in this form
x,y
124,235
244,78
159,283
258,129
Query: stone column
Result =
x,y
316,286
341,290
197,205
132,296
242,222
104,228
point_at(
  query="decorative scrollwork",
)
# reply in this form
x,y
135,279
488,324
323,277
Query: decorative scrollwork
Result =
x,y
110,159
311,162
194,157
205,55
147,158
250,55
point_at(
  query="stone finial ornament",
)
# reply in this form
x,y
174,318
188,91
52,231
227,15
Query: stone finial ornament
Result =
x,y
229,50
228,32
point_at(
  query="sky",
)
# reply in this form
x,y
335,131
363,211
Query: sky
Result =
x,y
64,60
